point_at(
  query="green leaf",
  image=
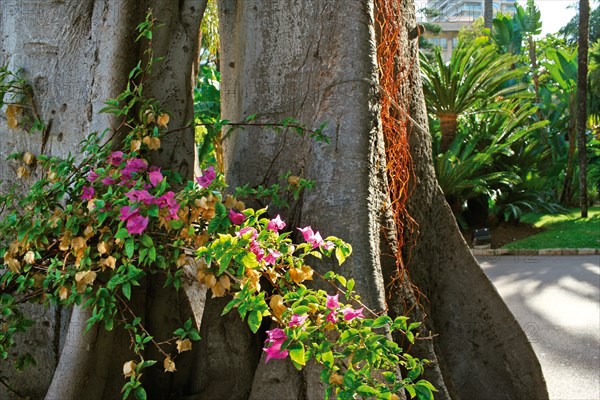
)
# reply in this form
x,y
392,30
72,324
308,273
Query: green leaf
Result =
x,y
126,289
381,321
230,306
140,393
129,247
350,284
122,234
297,353
254,321
342,280
423,392
300,310
147,240
327,359
367,391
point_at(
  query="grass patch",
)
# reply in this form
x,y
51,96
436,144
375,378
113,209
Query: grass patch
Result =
x,y
566,231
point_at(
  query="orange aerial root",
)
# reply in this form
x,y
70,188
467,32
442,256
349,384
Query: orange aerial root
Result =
x,y
394,70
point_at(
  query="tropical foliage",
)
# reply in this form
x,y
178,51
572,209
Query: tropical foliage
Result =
x,y
502,115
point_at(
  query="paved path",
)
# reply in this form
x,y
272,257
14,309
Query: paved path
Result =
x,y
556,299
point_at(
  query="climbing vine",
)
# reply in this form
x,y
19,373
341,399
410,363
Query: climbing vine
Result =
x,y
88,232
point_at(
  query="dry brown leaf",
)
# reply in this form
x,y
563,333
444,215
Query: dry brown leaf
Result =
x,y
29,257
184,345
217,290
102,247
163,120
129,368
210,280
229,201
12,112
308,272
23,172
169,365
135,145
108,262
28,158
88,232
153,143
83,279
225,282
293,180
336,379
63,293
276,304
297,275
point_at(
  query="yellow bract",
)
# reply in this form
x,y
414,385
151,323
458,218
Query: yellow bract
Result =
x,y
169,365
163,120
184,345
129,368
83,279
277,305
12,112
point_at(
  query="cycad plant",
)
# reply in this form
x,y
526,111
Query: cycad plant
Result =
x,y
476,77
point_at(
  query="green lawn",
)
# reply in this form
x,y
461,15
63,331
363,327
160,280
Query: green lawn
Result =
x,y
567,231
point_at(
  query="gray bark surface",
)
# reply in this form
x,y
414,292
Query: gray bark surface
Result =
x,y
277,64
77,54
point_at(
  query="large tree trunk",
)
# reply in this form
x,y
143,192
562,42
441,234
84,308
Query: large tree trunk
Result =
x,y
315,62
77,54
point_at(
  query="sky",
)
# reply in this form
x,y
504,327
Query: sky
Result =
x,y
555,13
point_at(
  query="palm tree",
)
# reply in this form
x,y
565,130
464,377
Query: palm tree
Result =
x,y
476,76
488,13
582,79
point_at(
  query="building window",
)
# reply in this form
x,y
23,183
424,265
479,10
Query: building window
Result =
x,y
443,43
454,42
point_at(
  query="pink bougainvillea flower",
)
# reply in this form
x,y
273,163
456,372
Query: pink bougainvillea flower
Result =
x,y
142,196
311,237
168,200
88,193
328,245
276,224
245,231
272,257
331,317
307,233
208,175
115,158
133,165
108,181
92,176
297,320
332,302
257,250
137,224
274,351
275,337
155,176
127,212
236,218
350,313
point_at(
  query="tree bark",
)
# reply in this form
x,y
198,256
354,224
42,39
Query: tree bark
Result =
x,y
77,55
277,63
488,13
582,83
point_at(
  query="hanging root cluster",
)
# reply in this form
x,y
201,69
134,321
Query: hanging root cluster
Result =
x,y
394,70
